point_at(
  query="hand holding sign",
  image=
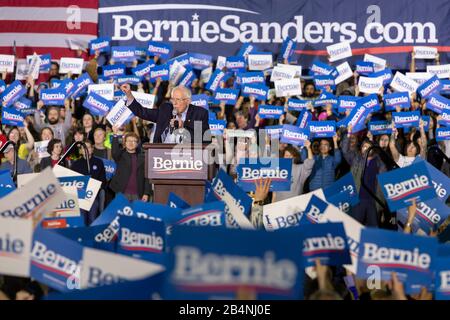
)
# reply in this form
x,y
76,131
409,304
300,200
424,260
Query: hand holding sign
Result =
x,y
262,189
127,90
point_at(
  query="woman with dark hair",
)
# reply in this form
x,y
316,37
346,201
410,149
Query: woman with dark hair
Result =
x,y
46,134
23,139
55,149
88,123
412,148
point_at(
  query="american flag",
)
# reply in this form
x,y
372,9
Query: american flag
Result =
x,y
46,26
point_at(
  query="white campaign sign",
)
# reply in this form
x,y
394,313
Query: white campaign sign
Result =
x,y
287,207
6,63
344,72
259,62
22,70
370,85
176,72
69,207
280,73
34,65
40,148
339,51
145,99
288,87
378,63
297,68
105,90
100,266
232,133
401,83
205,75
15,248
441,71
421,52
72,65
419,77
118,114
221,62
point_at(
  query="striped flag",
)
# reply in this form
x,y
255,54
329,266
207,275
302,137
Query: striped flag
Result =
x,y
46,26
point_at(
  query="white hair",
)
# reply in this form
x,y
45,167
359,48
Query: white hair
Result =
x,y
187,91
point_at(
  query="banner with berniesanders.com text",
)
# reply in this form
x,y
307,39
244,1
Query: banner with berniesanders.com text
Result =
x,y
267,267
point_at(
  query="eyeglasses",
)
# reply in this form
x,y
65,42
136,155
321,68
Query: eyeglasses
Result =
x,y
131,141
173,100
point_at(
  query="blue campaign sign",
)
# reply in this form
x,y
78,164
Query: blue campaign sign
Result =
x,y
188,77
345,184
287,49
278,170
380,127
236,64
304,119
55,260
396,99
128,79
326,98
83,235
157,212
264,263
217,127
370,102
442,134
437,103
270,112
356,118
432,85
442,278
445,119
274,131
322,129
79,182
401,186
229,96
80,85
123,53
411,257
430,215
163,50
110,168
406,119
212,116
114,71
141,239
314,210
210,214
100,44
294,135
175,201
386,74
200,61
441,183
22,104
53,97
319,68
161,71
12,117
6,183
344,200
323,81
201,100
347,103
250,78
97,105
2,86
216,78
246,49
326,242
143,69
297,105
259,91
364,67
12,93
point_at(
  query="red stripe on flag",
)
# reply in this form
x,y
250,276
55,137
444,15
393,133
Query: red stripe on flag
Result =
x,y
56,53
83,4
46,27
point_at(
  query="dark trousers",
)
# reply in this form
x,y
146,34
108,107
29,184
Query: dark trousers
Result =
x,y
365,212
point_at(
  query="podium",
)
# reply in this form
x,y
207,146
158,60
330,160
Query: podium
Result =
x,y
179,168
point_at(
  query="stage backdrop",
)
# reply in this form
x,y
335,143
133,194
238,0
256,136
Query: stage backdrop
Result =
x,y
388,29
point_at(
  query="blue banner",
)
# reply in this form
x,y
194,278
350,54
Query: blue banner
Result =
x,y
123,53
442,134
442,278
163,50
2,87
12,93
229,96
217,127
297,105
211,214
97,105
216,78
380,127
319,68
259,91
294,135
345,184
129,79
429,87
80,85
323,81
347,103
406,119
161,71
143,69
110,168
22,103
12,117
201,100
287,49
175,201
200,61
438,103
322,129
411,257
53,97
270,112
250,78
314,210
364,67
326,242
195,247
246,49
400,186
100,45
396,99
250,170
304,119
187,78
370,102
441,182
356,118
114,70
326,98
386,74
55,260
236,64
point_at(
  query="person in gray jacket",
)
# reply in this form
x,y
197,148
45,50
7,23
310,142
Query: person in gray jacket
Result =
x,y
300,172
60,129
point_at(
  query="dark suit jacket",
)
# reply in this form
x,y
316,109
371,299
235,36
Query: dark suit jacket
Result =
x,y
163,115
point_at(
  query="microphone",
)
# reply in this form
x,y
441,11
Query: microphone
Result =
x,y
175,123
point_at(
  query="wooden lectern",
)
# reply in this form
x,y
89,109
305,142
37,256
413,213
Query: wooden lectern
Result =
x,y
179,168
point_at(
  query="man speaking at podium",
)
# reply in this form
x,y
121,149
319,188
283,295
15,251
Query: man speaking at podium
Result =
x,y
173,119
